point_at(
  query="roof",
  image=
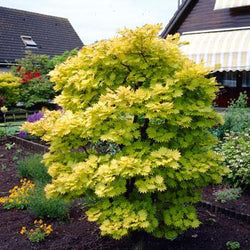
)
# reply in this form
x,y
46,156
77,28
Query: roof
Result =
x,y
196,15
179,14
53,35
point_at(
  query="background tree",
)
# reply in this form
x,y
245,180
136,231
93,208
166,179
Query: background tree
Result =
x,y
147,107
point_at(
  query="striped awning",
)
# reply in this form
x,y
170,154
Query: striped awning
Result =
x,y
219,50
224,4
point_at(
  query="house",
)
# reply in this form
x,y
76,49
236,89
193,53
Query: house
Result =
x,y
42,34
218,32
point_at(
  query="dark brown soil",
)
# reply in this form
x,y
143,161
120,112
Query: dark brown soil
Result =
x,y
241,205
77,233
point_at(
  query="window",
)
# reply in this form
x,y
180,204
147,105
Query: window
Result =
x,y
246,79
29,42
229,79
224,4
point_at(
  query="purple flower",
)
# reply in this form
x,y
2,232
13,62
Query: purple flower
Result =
x,y
35,117
22,134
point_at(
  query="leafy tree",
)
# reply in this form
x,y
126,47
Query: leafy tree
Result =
x,y
9,92
148,108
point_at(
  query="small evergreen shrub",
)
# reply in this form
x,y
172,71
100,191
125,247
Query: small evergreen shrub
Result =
x,y
228,195
31,167
42,207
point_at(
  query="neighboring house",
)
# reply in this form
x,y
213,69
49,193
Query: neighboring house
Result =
x,y
42,34
218,32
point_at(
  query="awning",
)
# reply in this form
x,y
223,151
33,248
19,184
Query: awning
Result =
x,y
219,50
224,4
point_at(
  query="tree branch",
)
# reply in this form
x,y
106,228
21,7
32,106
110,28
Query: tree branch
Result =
x,y
144,135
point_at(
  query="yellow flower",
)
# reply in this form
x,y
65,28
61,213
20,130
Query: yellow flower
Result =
x,y
35,221
4,109
48,231
40,221
2,200
23,230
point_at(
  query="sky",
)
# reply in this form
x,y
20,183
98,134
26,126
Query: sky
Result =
x,y
95,20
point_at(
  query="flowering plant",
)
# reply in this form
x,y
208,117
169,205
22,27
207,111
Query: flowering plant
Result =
x,y
32,118
30,75
35,117
4,109
18,197
39,232
23,134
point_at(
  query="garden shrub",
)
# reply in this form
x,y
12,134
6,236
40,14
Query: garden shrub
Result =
x,y
235,148
37,91
9,91
151,108
32,168
36,88
41,207
237,118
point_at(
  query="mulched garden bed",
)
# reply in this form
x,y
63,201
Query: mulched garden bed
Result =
x,y
241,205
77,233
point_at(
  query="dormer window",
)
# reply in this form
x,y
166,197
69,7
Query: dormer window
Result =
x,y
29,42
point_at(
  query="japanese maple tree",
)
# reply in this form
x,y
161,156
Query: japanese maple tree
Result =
x,y
138,95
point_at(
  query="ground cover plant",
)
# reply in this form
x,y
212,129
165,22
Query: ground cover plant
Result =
x,y
139,93
228,194
10,128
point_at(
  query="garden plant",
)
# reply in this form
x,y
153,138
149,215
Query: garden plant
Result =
x,y
235,148
9,89
36,89
141,99
237,118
